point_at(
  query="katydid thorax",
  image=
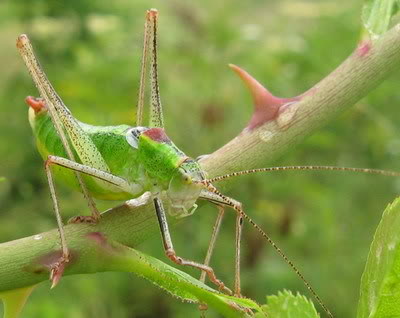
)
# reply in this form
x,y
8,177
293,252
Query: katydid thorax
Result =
x,y
123,162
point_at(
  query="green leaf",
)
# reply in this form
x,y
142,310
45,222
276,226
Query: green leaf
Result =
x,y
179,284
2,179
286,305
14,301
376,16
380,282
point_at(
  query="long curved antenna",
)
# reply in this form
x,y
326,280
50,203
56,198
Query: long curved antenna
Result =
x,y
237,207
324,168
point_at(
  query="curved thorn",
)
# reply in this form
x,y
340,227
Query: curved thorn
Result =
x,y
266,105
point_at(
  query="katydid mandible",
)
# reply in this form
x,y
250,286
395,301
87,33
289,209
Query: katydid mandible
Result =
x,y
124,162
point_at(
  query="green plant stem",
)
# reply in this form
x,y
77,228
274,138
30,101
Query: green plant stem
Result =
x,y
352,80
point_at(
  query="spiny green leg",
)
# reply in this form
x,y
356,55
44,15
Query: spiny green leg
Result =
x,y
156,113
171,254
63,119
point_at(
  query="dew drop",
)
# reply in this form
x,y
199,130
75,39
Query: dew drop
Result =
x,y
266,135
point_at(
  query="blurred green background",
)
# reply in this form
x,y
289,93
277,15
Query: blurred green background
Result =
x,y
91,51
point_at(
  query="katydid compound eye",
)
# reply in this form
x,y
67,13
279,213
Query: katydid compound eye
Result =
x,y
133,134
187,179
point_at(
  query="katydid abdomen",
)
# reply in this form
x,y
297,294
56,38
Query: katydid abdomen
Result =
x,y
120,157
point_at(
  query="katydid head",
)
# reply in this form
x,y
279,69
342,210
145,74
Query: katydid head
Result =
x,y
157,154
185,187
168,168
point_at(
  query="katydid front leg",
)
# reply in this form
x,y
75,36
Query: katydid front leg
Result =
x,y
214,196
171,254
213,240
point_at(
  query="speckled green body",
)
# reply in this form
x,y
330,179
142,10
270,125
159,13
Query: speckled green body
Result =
x,y
121,158
156,164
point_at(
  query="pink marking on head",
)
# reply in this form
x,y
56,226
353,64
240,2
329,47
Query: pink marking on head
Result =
x,y
157,134
266,105
363,48
36,103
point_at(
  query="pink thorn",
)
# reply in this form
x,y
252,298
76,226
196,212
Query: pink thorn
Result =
x,y
266,105
36,103
363,48
56,263
56,274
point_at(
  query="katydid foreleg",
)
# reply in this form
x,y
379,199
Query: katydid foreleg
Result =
x,y
214,235
237,206
210,250
215,196
171,254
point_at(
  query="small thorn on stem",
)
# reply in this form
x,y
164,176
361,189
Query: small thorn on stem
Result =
x,y
57,271
364,48
266,105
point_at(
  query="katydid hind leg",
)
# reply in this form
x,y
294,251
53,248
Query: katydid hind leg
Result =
x,y
156,112
143,73
58,266
121,183
62,119
171,254
60,114
135,189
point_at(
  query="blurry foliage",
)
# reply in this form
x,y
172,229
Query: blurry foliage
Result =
x,y
91,52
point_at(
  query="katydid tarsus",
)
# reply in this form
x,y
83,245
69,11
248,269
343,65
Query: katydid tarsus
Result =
x,y
123,162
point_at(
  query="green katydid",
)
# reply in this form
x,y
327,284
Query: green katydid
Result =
x,y
123,162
